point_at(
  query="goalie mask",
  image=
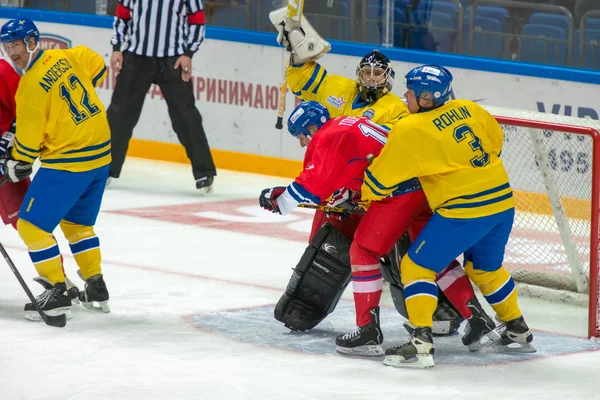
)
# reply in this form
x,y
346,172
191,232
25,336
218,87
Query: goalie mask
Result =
x,y
374,76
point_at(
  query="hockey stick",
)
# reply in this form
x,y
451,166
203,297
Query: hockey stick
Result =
x,y
282,94
294,12
59,321
340,210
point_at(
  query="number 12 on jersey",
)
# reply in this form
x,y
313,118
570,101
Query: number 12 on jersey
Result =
x,y
67,93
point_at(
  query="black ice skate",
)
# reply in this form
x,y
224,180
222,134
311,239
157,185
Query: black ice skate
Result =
x,y
417,353
54,300
95,292
365,340
516,337
446,320
204,184
480,330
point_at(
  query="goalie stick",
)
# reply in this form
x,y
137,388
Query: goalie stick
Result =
x,y
294,11
59,321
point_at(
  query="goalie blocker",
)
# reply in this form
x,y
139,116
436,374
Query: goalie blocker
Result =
x,y
317,282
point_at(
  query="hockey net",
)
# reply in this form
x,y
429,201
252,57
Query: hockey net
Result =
x,y
553,163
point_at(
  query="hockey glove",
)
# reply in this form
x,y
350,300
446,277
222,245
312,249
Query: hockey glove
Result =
x,y
14,170
268,199
286,37
6,142
342,199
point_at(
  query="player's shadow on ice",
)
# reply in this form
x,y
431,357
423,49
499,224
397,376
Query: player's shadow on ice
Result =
x,y
321,340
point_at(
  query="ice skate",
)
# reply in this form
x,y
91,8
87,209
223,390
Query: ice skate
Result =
x,y
364,341
516,337
54,300
480,330
417,353
95,295
204,184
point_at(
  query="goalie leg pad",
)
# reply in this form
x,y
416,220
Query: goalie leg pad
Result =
x,y
397,293
390,265
318,281
390,270
446,320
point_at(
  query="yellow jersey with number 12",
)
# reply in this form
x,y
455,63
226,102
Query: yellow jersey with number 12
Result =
x,y
454,151
60,118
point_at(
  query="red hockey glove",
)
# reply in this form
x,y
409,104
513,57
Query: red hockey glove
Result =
x,y
342,199
268,198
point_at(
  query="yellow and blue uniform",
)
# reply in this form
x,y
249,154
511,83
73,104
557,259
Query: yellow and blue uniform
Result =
x,y
58,98
454,151
61,121
310,81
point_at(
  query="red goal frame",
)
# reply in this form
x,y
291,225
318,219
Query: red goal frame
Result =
x,y
594,289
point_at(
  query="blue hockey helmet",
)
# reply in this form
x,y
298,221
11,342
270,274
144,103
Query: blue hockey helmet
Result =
x,y
15,29
430,82
306,114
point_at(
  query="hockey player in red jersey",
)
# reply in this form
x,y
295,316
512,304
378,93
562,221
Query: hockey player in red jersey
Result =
x,y
11,194
9,82
338,152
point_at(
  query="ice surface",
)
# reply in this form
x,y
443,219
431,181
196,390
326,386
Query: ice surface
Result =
x,y
193,281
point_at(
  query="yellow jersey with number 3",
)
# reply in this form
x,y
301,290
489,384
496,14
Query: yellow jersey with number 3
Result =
x,y
60,118
454,151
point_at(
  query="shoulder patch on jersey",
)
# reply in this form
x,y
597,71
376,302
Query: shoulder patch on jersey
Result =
x,y
337,102
370,113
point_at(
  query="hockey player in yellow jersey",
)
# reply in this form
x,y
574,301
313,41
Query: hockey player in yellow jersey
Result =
x,y
453,147
368,96
61,121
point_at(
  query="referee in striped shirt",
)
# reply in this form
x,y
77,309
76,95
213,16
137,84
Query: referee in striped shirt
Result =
x,y
153,42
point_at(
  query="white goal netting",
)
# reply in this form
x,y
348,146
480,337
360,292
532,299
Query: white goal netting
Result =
x,y
553,166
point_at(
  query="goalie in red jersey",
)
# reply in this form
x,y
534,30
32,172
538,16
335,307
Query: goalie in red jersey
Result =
x,y
338,153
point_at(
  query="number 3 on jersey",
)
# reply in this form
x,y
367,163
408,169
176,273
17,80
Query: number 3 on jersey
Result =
x,y
67,94
464,131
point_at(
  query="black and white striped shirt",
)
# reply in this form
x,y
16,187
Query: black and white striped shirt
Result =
x,y
159,28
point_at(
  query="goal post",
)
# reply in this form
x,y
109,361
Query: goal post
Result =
x,y
553,163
